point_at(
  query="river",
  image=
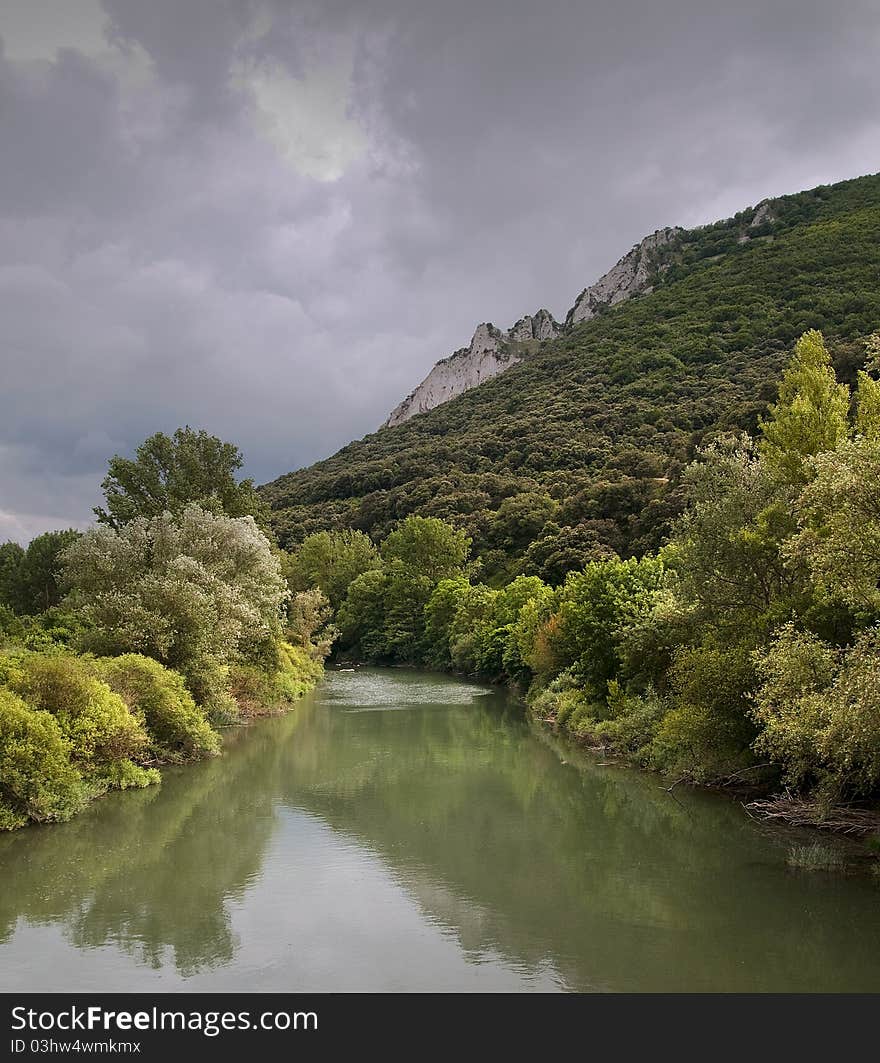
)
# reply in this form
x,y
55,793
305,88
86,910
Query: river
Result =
x,y
404,831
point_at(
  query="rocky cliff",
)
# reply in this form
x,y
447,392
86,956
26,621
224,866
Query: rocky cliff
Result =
x,y
631,276
490,352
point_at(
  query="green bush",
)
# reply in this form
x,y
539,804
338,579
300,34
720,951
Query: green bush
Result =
x,y
633,721
158,697
257,691
95,721
820,712
37,780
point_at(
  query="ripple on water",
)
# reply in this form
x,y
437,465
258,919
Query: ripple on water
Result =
x,y
362,690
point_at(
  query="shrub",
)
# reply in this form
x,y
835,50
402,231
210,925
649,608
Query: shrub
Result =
x,y
37,780
633,721
95,721
820,711
258,692
158,697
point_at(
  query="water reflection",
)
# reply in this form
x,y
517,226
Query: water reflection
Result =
x,y
443,845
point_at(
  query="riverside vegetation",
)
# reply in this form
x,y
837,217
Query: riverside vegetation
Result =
x,y
126,647
675,554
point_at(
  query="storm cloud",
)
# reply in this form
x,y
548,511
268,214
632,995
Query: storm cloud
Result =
x,y
269,219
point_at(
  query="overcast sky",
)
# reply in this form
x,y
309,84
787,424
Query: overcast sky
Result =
x,y
269,219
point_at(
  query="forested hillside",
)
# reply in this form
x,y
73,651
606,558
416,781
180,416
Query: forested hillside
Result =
x,y
578,451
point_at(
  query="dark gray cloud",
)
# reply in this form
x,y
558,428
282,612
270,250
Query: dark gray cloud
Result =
x,y
270,218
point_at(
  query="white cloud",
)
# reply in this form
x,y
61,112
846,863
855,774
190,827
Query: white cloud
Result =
x,y
307,118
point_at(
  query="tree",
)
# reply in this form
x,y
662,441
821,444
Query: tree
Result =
x,y
362,615
563,550
308,621
192,591
595,608
440,612
868,392
811,414
819,709
33,587
331,560
729,542
839,514
169,473
11,557
427,546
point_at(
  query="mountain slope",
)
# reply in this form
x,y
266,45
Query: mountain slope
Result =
x,y
578,447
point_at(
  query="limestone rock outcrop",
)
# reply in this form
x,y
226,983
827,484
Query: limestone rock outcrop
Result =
x,y
489,353
629,277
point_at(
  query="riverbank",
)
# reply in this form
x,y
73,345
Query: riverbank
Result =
x,y
759,799
75,727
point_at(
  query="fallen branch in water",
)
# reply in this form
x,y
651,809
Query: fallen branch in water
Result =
x,y
801,813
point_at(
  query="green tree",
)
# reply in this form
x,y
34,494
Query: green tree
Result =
x,y
331,560
440,611
427,546
361,617
868,392
170,472
811,414
11,557
839,514
596,607
34,587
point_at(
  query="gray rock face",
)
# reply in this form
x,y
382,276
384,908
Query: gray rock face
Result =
x,y
629,277
490,352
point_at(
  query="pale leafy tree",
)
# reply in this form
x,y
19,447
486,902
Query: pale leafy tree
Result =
x,y
819,709
193,591
728,542
309,614
839,514
811,414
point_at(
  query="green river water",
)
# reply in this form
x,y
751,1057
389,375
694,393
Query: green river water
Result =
x,y
404,831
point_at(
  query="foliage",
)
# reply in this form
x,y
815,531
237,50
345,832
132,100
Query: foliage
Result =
x,y
839,513
819,708
29,578
171,472
158,698
595,608
811,414
426,546
37,780
189,591
308,622
331,561
257,691
102,735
